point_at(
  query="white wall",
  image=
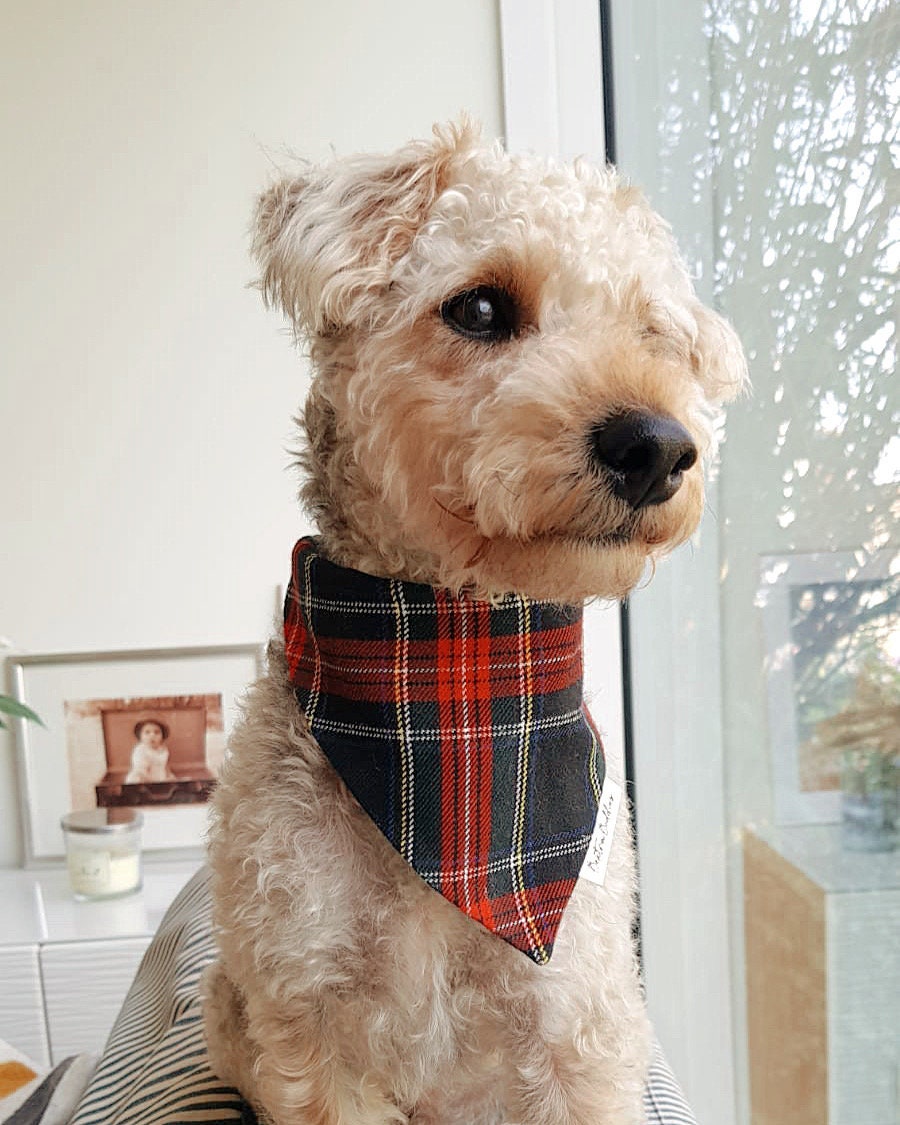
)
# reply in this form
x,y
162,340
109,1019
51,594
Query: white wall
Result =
x,y
146,396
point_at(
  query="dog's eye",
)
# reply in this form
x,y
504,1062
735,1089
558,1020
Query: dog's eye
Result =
x,y
484,313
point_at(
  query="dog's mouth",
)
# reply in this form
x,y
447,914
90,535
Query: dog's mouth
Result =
x,y
602,541
597,541
605,542
632,533
591,527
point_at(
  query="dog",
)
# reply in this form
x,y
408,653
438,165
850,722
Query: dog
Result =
x,y
514,391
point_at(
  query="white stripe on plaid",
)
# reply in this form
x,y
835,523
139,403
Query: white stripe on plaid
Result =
x,y
466,662
373,672
154,1070
404,723
432,734
317,677
347,605
535,853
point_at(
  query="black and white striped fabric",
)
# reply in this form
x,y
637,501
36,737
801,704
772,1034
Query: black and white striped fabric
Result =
x,y
154,1070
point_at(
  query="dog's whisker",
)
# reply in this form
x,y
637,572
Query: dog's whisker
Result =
x,y
450,512
481,551
504,485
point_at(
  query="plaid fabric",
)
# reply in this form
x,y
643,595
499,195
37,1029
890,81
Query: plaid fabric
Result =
x,y
460,728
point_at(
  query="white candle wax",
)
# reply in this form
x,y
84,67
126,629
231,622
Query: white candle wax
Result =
x,y
95,872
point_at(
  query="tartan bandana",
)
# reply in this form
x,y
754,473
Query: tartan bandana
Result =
x,y
459,727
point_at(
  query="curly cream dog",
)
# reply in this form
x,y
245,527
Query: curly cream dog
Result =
x,y
513,396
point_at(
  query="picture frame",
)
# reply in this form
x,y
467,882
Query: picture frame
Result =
x,y
145,728
823,614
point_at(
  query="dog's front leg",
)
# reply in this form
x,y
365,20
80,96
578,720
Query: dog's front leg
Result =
x,y
556,1084
231,1054
298,1079
301,1079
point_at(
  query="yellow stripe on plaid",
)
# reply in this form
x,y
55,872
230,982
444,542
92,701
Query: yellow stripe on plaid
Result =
x,y
596,783
527,693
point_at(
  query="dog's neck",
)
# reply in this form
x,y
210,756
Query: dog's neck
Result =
x,y
459,726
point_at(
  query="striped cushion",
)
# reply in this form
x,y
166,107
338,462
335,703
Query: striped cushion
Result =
x,y
154,1070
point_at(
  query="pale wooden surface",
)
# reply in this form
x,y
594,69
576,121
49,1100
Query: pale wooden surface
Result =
x,y
787,1017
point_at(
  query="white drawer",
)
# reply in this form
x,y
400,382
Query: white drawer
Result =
x,y
21,1006
85,983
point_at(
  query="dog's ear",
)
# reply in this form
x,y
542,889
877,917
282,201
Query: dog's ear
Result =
x,y
717,356
326,240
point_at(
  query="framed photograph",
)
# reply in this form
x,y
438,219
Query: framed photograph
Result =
x,y
144,729
827,617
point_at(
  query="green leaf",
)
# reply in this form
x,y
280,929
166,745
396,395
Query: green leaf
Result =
x,y
13,707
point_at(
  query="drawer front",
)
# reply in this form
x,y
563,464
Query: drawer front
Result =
x,y
21,1004
85,983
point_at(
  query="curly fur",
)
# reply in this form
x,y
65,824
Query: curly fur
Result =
x,y
347,992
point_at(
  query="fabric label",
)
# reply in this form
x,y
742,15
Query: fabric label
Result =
x,y
89,871
594,867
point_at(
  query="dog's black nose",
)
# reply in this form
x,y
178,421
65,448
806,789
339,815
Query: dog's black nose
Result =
x,y
644,455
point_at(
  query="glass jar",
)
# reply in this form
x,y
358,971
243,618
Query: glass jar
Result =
x,y
103,852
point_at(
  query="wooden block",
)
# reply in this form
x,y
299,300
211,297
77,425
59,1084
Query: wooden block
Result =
x,y
784,926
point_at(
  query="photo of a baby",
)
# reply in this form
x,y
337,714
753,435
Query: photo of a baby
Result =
x,y
150,756
145,752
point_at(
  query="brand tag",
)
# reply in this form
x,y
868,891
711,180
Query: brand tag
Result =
x,y
594,867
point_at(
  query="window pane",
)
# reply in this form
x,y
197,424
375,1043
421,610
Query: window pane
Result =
x,y
777,141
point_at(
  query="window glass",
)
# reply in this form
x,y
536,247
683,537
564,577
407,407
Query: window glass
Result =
x,y
777,146
806,131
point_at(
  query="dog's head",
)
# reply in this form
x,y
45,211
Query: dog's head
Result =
x,y
515,381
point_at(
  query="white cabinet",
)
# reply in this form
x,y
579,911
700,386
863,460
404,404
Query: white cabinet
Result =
x,y
21,1007
85,983
66,966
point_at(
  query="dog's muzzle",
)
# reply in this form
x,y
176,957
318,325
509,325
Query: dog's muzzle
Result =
x,y
643,455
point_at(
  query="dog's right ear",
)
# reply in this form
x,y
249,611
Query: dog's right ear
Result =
x,y
326,240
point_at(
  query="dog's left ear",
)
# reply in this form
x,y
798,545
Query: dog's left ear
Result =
x,y
717,356
326,240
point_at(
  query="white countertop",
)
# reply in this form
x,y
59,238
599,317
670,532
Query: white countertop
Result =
x,y
37,905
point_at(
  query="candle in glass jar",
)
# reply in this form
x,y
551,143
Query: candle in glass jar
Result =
x,y
103,852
